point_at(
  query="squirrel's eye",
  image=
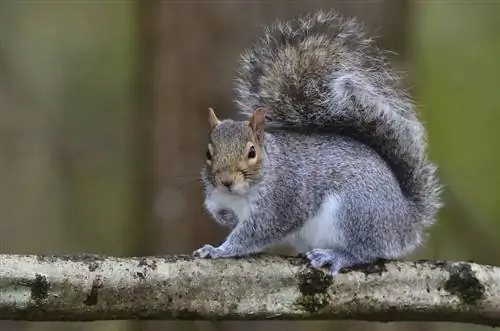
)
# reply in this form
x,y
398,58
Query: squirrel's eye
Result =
x,y
251,153
209,155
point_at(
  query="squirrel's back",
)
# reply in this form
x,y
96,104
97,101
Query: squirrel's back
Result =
x,y
320,73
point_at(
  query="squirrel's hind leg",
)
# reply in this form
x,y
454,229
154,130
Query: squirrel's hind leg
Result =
x,y
337,259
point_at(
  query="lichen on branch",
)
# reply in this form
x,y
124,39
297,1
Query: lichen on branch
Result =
x,y
91,287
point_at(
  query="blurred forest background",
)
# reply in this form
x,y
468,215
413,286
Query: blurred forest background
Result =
x,y
103,125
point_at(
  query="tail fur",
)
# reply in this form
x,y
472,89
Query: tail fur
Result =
x,y
320,73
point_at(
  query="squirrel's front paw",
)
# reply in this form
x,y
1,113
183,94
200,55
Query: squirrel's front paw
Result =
x,y
208,252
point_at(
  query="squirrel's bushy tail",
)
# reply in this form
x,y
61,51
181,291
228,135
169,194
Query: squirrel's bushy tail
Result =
x,y
320,72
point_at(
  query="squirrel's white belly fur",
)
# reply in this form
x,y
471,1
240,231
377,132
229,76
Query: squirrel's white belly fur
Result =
x,y
320,231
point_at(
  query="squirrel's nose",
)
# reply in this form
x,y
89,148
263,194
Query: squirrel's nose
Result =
x,y
225,178
227,183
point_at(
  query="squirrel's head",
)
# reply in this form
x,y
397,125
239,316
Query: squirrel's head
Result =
x,y
234,152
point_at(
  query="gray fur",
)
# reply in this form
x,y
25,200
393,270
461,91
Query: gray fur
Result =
x,y
342,129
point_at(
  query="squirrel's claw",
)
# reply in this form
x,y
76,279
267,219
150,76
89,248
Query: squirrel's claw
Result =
x,y
336,259
208,252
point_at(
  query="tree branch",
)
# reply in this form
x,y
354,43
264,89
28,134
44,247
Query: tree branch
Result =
x,y
89,287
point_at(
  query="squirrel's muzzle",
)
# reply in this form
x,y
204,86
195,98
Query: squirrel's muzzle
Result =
x,y
225,178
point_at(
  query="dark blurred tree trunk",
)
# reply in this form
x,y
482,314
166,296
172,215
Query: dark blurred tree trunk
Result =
x,y
189,53
147,38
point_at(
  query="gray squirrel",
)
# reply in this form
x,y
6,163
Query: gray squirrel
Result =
x,y
331,158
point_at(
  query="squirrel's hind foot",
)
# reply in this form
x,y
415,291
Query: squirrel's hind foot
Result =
x,y
337,259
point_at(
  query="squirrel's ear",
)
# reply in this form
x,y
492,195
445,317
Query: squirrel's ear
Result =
x,y
213,121
257,122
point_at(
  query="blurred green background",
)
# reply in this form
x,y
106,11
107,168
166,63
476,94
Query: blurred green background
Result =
x,y
102,125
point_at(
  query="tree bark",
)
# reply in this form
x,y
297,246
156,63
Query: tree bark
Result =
x,y
90,287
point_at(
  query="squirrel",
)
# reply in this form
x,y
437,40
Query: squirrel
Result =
x,y
330,158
